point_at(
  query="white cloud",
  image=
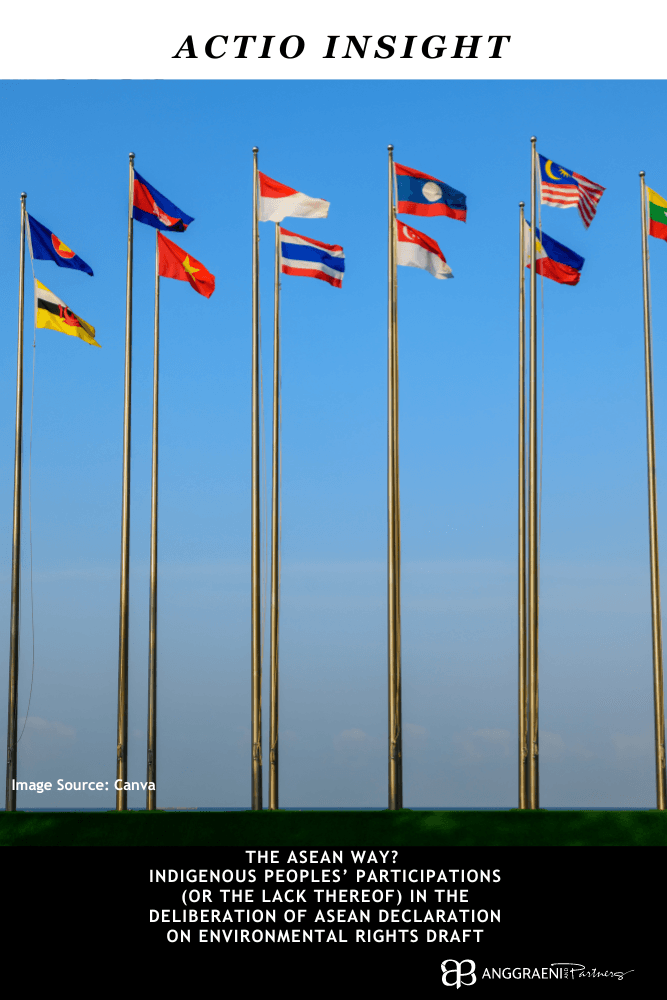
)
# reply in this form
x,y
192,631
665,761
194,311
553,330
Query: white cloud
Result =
x,y
45,728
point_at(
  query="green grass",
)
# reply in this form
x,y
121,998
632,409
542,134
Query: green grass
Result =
x,y
334,829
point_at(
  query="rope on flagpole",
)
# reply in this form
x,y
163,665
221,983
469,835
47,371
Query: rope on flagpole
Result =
x,y
32,408
539,497
265,558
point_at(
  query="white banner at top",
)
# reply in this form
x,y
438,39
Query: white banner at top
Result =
x,y
348,39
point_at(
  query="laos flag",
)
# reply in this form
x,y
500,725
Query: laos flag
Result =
x,y
422,194
310,258
155,210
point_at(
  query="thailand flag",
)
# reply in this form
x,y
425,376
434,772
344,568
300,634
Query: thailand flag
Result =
x,y
422,194
415,249
552,259
311,259
277,201
154,209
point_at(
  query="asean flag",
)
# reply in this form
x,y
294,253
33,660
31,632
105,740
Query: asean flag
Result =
x,y
152,208
176,263
552,259
415,249
422,194
45,245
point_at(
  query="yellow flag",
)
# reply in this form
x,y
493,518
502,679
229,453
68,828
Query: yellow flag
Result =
x,y
51,313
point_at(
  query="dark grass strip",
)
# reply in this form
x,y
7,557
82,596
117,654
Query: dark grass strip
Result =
x,y
334,829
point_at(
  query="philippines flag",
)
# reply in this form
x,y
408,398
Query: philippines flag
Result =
x,y
311,259
277,201
415,249
422,194
564,189
155,210
553,260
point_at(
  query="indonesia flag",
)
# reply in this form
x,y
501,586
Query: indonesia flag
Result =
x,y
311,259
415,249
277,201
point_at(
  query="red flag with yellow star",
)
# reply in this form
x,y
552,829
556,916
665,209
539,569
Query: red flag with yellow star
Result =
x,y
176,263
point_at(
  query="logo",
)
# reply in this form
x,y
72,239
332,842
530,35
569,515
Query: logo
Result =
x,y
61,249
454,973
165,219
432,191
67,316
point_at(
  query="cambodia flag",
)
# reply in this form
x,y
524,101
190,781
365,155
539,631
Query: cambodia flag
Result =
x,y
301,255
155,210
553,260
176,263
422,194
45,245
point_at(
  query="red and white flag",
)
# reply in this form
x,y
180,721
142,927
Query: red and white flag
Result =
x,y
415,249
277,201
565,189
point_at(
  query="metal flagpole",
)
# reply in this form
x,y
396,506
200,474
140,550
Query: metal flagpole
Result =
x,y
12,707
658,691
533,609
275,533
523,708
256,638
151,763
393,521
121,749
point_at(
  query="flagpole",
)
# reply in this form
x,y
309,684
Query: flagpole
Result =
x,y
393,520
12,701
275,533
121,749
151,763
397,541
658,690
533,608
523,708
256,638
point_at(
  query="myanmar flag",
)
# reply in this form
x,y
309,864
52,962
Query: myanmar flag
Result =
x,y
176,263
51,313
657,210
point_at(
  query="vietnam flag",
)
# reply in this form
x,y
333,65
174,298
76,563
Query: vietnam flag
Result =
x,y
176,263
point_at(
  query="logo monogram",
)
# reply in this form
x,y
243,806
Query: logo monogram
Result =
x,y
455,975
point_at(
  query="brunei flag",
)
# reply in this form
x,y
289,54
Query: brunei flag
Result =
x,y
176,263
51,313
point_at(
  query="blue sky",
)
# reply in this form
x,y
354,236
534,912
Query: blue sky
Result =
x,y
66,144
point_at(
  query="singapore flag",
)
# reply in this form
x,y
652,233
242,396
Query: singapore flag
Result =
x,y
415,249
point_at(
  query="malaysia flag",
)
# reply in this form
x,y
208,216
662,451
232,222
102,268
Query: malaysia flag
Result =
x,y
415,249
155,210
564,189
277,201
309,258
552,259
422,194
